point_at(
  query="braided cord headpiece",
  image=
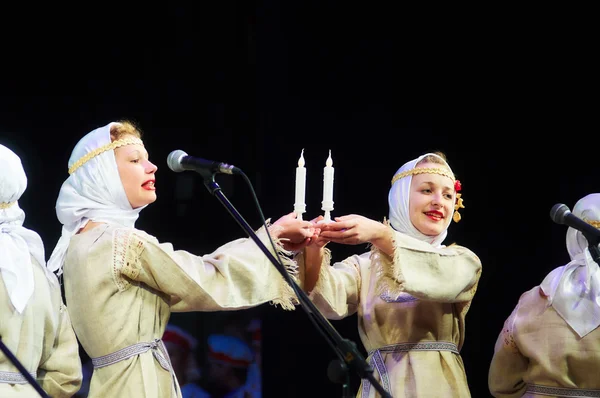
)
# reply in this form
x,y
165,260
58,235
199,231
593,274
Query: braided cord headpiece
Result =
x,y
441,171
593,223
102,149
424,170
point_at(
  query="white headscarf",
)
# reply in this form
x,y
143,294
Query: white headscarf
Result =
x,y
398,200
17,243
574,289
93,192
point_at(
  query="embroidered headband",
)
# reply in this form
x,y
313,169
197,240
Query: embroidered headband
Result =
x,y
441,171
107,147
424,170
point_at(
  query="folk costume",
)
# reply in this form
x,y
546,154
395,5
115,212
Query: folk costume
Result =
x,y
34,323
411,306
122,284
550,344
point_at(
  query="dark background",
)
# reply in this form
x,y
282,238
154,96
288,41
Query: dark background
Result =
x,y
253,83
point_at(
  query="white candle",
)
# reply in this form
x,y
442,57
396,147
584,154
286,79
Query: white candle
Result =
x,y
328,185
299,205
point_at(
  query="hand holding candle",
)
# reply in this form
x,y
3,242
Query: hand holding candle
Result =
x,y
299,205
327,204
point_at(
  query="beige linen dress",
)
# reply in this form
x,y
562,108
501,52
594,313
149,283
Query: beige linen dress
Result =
x,y
42,339
538,352
411,313
121,286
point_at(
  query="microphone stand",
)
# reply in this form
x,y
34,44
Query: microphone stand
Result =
x,y
337,371
345,349
593,246
22,369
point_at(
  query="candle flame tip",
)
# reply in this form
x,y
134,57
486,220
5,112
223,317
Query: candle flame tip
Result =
x,y
301,160
329,161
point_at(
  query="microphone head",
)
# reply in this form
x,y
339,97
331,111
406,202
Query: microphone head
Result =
x,y
558,213
174,160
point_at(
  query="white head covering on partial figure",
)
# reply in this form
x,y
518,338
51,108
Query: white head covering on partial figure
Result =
x,y
17,243
574,289
93,191
399,197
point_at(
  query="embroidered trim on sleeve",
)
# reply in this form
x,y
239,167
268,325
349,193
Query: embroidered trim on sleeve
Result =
x,y
127,249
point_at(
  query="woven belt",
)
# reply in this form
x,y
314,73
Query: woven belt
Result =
x,y
562,392
376,360
158,350
14,377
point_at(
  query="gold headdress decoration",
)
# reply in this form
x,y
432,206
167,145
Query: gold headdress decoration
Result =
x,y
4,205
441,171
107,147
593,223
459,201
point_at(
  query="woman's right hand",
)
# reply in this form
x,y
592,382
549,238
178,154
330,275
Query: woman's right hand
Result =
x,y
317,242
294,234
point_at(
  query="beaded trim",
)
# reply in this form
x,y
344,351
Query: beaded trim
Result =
x,y
423,170
107,147
4,205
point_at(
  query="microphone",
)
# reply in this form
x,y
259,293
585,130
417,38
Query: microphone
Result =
x,y
179,161
561,214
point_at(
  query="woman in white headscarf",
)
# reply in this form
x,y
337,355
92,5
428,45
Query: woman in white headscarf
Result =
x,y
121,284
411,292
550,344
34,324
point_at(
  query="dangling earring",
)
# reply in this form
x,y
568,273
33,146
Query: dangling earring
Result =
x,y
459,202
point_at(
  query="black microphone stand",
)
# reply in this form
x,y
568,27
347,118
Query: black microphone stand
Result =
x,y
22,369
345,349
337,371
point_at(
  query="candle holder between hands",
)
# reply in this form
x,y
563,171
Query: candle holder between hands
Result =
x,y
327,207
326,218
299,209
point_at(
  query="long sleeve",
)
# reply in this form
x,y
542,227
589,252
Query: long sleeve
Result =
x,y
447,274
60,374
42,339
237,275
505,376
337,291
